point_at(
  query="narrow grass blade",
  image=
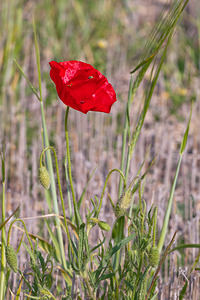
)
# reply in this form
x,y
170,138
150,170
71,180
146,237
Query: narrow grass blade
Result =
x,y
184,246
37,59
42,243
33,89
183,291
81,245
103,265
55,242
170,201
6,221
149,94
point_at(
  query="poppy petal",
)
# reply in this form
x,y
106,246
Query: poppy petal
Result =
x,y
82,87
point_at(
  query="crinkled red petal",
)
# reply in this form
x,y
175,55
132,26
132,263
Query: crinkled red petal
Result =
x,y
82,87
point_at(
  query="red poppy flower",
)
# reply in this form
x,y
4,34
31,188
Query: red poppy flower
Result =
x,y
82,87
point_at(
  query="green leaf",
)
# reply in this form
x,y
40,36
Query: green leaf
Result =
x,y
34,90
109,254
55,242
6,221
184,246
106,276
183,291
81,245
97,246
37,59
170,201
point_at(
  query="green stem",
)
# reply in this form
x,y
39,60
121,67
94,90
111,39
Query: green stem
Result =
x,y
125,132
116,288
27,235
60,189
169,207
3,245
76,212
53,186
68,192
154,227
89,291
119,237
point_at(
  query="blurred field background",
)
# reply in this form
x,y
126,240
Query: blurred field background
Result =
x,y
110,35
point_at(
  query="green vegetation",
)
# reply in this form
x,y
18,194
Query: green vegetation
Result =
x,y
127,258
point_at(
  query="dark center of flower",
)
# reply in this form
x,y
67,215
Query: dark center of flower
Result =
x,y
90,77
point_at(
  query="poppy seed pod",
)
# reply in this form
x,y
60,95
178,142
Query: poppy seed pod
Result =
x,y
11,258
104,226
123,203
154,256
44,177
126,200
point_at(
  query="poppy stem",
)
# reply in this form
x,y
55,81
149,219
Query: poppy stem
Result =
x,y
53,187
76,212
60,191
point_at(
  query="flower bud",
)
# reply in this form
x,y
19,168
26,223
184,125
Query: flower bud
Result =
x,y
126,199
11,258
44,177
123,203
154,256
104,226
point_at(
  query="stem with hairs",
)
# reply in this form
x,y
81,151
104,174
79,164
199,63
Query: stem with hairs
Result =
x,y
76,212
60,190
53,187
